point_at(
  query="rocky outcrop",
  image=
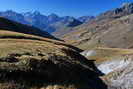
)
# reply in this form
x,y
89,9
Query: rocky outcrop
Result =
x,y
121,78
125,9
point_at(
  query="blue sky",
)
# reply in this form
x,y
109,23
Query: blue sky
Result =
x,y
62,7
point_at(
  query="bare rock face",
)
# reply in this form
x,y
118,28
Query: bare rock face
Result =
x,y
125,9
120,78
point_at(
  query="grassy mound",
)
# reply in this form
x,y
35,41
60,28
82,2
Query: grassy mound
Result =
x,y
33,62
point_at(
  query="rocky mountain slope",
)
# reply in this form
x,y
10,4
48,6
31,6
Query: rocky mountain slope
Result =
x,y
110,29
30,61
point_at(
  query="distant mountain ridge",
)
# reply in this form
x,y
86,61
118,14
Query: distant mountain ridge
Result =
x,y
50,23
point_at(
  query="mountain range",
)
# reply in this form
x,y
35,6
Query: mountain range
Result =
x,y
51,23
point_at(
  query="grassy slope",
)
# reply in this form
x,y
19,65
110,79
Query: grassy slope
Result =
x,y
111,33
104,54
9,34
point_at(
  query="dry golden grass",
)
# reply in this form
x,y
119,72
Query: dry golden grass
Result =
x,y
11,34
103,54
14,42
4,34
13,46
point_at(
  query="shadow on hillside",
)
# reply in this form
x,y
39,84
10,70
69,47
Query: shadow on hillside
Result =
x,y
83,60
26,80
6,24
91,73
